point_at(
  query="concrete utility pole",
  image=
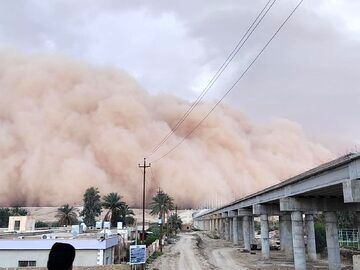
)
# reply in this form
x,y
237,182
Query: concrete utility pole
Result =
x,y
143,224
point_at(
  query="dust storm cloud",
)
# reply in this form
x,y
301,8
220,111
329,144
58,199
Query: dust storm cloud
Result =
x,y
65,126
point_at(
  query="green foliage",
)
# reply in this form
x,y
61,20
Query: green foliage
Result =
x,y
129,220
174,223
155,229
92,206
320,237
67,215
4,217
18,211
161,204
41,224
346,220
153,257
150,238
5,213
114,204
126,215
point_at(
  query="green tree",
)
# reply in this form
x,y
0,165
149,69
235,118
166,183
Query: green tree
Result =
x,y
4,217
92,206
126,215
174,223
161,204
67,215
113,203
18,211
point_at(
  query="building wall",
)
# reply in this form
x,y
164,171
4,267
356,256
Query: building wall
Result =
x,y
10,258
27,223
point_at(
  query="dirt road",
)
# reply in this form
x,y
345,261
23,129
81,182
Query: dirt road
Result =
x,y
196,252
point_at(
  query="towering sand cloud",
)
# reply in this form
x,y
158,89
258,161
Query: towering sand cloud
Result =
x,y
65,126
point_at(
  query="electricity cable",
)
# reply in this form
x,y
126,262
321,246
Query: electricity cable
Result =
x,y
219,72
233,85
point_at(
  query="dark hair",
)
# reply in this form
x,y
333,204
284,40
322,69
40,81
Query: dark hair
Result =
x,y
61,257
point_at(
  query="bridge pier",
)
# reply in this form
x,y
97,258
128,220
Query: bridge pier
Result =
x,y
231,235
235,230
310,236
358,222
240,229
286,242
332,241
227,229
265,245
298,240
246,231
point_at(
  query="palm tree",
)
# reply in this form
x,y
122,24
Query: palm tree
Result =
x,y
18,211
67,215
161,204
126,215
113,203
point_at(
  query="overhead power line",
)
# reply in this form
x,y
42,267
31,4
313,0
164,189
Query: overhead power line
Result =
x,y
218,73
233,85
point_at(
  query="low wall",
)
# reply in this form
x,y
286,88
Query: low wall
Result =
x,y
152,248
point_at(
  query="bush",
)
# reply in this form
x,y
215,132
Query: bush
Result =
x,y
41,224
320,237
150,238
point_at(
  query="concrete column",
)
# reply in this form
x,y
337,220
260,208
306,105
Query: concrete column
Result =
x,y
235,231
358,223
310,236
240,230
332,240
252,229
227,229
246,231
265,245
298,240
231,229
286,240
220,227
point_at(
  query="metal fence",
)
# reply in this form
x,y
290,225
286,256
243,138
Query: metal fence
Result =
x,y
349,238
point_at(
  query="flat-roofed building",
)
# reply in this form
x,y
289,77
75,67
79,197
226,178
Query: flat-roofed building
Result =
x,y
21,224
35,252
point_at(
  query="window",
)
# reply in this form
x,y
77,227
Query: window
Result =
x,y
17,225
26,263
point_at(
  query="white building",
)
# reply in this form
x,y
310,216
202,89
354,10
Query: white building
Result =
x,y
35,252
21,224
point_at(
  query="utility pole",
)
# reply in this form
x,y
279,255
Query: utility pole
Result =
x,y
143,221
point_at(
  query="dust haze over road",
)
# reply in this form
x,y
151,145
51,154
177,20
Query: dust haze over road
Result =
x,y
197,252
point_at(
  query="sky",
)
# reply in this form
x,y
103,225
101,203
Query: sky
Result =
x,y
309,73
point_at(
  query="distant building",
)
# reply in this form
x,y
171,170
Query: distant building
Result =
x,y
21,224
34,252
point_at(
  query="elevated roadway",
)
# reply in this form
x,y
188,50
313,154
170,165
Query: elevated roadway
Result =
x,y
331,187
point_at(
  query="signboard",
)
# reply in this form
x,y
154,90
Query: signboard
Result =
x,y
137,254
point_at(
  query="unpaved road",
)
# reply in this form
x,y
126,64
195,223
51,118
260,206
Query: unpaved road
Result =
x,y
196,252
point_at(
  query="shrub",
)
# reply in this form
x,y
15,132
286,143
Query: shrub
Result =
x,y
41,224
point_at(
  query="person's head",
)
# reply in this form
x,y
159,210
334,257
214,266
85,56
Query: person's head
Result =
x,y
61,257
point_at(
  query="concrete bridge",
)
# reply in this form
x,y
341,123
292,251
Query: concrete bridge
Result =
x,y
334,186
